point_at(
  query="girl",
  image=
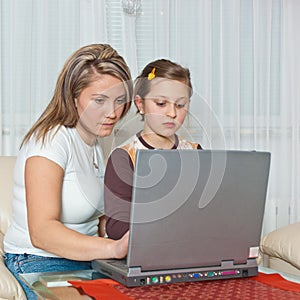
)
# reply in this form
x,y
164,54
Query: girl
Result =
x,y
162,95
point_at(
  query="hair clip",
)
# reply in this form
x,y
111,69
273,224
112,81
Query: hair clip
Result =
x,y
151,75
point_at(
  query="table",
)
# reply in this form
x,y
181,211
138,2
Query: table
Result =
x,y
70,293
65,291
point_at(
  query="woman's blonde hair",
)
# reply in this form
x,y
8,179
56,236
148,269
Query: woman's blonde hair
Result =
x,y
79,71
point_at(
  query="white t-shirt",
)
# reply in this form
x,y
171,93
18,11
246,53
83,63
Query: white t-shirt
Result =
x,y
82,190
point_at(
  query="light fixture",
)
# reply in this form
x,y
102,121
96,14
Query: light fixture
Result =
x,y
132,7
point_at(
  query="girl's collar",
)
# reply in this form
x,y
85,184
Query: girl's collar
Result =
x,y
141,139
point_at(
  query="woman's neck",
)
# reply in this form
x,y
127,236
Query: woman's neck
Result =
x,y
89,139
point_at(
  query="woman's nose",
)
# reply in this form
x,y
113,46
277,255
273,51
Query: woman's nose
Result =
x,y
110,110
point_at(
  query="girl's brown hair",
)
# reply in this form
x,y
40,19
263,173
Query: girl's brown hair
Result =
x,y
164,68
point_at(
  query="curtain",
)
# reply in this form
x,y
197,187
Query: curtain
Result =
x,y
243,63
36,39
288,154
242,54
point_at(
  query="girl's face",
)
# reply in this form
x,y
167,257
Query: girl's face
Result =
x,y
100,106
164,107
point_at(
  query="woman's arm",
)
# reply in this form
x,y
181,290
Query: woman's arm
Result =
x,y
43,181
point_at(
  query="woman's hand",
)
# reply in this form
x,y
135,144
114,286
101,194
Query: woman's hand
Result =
x,y
121,246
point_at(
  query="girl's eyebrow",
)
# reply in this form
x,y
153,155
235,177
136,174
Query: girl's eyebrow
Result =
x,y
175,100
166,97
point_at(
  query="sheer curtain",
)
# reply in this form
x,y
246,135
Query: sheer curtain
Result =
x,y
242,54
243,60
36,39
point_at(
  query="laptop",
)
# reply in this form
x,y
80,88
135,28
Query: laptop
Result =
x,y
195,215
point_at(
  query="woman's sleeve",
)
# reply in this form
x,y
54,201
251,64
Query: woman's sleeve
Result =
x,y
117,193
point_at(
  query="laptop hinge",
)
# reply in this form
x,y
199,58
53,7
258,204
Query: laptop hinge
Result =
x,y
134,271
251,262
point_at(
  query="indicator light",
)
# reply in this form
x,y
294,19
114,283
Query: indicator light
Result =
x,y
154,279
168,278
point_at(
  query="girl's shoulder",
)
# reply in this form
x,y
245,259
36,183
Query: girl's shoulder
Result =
x,y
185,144
131,146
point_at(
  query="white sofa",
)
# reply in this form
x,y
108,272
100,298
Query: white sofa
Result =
x,y
9,286
280,249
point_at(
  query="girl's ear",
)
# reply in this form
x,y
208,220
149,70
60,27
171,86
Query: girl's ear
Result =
x,y
139,103
75,102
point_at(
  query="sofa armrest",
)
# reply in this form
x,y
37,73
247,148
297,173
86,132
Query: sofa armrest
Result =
x,y
9,286
283,243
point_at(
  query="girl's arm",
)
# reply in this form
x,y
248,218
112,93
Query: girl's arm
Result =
x,y
117,193
43,181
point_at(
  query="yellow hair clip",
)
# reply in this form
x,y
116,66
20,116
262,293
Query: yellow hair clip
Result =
x,y
151,75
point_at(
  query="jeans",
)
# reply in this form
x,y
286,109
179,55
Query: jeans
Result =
x,y
29,263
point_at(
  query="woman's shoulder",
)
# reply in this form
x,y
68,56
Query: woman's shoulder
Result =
x,y
56,145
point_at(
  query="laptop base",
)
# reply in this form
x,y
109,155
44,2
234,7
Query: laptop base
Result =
x,y
134,276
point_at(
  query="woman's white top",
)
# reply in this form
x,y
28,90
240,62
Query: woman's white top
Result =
x,y
82,187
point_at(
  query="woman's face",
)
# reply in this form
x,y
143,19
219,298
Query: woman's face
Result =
x,y
165,106
100,106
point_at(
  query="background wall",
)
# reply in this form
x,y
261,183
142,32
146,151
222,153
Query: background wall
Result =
x,y
243,56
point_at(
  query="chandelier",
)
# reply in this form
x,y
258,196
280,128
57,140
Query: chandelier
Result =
x,y
132,7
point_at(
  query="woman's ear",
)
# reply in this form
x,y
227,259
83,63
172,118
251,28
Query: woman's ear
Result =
x,y
139,103
75,102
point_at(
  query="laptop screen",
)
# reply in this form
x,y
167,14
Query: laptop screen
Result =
x,y
194,208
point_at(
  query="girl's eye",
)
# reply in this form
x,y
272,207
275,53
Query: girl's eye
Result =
x,y
180,105
160,103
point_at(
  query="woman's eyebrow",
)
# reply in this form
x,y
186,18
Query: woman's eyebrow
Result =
x,y
99,95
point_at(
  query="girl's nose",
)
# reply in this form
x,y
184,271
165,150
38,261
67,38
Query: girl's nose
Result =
x,y
171,110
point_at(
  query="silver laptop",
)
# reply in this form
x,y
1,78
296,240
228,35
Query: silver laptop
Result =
x,y
196,215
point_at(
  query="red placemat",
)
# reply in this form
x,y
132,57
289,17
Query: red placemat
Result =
x,y
277,281
260,287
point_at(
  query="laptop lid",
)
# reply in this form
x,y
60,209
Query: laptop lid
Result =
x,y
195,208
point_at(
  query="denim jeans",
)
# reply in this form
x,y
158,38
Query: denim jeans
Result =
x,y
28,263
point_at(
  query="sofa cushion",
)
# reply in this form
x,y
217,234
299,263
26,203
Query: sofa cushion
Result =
x,y
9,286
6,187
283,243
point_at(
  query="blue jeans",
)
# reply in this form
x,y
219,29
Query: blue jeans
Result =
x,y
29,263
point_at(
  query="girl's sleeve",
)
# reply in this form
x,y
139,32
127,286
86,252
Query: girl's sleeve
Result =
x,y
118,180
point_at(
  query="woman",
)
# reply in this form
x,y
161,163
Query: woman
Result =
x,y
58,179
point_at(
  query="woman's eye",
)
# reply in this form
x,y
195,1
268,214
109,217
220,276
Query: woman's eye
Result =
x,y
99,101
121,101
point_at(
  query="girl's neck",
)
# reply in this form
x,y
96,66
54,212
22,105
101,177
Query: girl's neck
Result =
x,y
158,141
